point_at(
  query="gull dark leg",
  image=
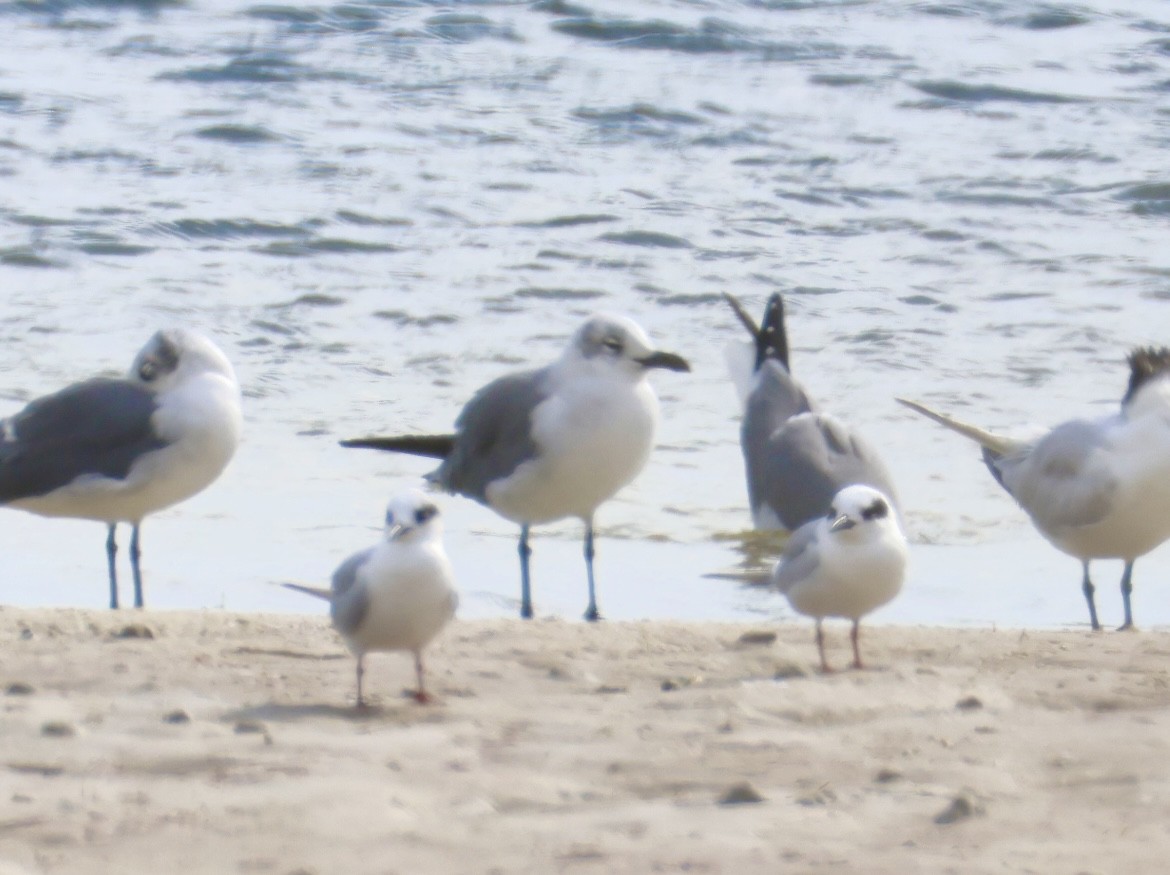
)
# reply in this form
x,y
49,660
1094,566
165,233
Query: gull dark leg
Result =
x,y
420,694
1126,590
361,670
111,556
821,648
525,580
591,612
1087,589
853,636
135,555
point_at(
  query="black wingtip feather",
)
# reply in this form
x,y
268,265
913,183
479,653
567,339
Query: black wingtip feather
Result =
x,y
434,446
772,341
770,338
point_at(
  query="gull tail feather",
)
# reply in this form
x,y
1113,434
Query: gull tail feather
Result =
x,y
316,591
434,446
996,444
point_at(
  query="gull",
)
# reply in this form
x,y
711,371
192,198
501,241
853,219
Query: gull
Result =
x,y
116,450
541,445
845,564
1095,488
796,458
398,594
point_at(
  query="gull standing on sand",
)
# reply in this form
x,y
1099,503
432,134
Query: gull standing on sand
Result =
x,y
556,442
796,458
1099,488
116,450
845,564
397,595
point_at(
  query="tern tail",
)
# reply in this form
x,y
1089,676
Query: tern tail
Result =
x,y
316,591
996,444
434,446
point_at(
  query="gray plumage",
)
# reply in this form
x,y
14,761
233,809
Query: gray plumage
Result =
x,y
799,560
493,434
349,603
99,427
1060,480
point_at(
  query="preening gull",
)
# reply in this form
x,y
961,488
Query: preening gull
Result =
x,y
795,457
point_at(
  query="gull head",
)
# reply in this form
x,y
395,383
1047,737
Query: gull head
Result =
x,y
859,512
616,343
412,516
174,355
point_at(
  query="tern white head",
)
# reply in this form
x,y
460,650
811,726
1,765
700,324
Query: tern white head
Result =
x,y
795,457
116,450
398,594
1095,488
845,564
556,442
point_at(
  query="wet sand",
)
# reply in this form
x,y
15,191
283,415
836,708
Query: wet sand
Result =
x,y
209,742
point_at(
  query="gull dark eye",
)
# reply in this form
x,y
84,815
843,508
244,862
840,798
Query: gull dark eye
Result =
x,y
876,511
425,513
148,370
612,344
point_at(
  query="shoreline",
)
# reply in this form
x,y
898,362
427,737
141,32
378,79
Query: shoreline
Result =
x,y
215,742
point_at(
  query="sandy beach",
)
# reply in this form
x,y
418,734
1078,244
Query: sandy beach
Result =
x,y
214,742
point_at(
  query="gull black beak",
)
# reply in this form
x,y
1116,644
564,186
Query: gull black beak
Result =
x,y
668,360
841,523
396,531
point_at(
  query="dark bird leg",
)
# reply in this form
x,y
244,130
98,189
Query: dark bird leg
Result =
x,y
1087,589
591,612
525,580
361,670
111,556
853,636
1126,589
821,648
420,695
135,555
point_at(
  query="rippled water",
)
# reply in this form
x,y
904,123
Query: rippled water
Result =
x,y
377,207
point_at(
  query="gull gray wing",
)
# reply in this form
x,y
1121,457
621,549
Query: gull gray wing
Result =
x,y
804,463
99,427
800,558
775,397
350,598
493,434
1062,481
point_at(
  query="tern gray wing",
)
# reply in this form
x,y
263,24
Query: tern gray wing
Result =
x,y
97,428
493,434
1062,481
350,598
803,464
800,559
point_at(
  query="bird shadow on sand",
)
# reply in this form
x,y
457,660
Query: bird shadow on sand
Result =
x,y
406,711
